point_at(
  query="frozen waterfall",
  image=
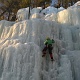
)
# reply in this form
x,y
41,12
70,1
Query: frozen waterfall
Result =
x,y
20,52
21,45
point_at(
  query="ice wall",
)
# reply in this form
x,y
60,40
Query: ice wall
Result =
x,y
21,44
74,56
20,50
22,14
18,62
70,16
65,72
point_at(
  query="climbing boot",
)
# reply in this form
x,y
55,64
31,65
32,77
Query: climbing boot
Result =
x,y
44,53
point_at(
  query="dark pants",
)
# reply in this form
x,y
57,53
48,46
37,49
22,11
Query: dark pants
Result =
x,y
49,48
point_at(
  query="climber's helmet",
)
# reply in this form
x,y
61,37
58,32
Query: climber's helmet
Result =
x,y
47,38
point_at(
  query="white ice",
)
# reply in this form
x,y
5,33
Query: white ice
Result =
x,y
21,45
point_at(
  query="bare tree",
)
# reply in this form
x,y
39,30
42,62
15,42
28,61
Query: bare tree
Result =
x,y
29,9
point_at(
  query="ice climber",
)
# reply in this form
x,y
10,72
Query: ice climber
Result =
x,y
48,46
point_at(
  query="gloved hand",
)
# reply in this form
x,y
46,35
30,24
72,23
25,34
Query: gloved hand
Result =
x,y
53,41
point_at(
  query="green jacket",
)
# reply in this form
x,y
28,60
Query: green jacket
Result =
x,y
49,41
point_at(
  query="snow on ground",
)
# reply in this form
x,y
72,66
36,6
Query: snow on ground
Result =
x,y
21,44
